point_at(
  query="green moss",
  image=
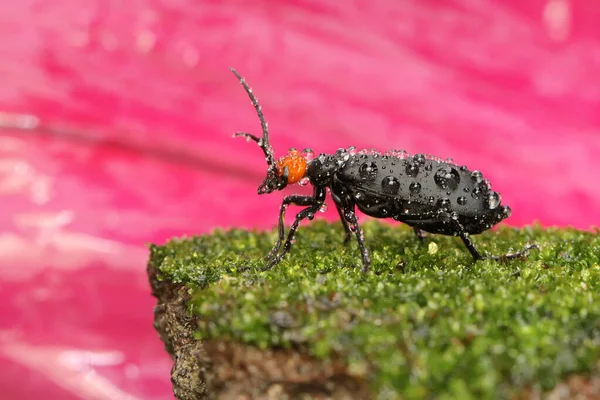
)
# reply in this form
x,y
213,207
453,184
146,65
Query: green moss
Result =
x,y
426,320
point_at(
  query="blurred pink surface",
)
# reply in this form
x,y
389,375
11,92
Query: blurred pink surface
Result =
x,y
143,91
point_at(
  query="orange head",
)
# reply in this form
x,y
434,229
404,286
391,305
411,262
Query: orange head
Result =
x,y
291,167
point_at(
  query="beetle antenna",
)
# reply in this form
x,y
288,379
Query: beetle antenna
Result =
x,y
264,141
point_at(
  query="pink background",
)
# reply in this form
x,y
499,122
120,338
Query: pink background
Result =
x,y
137,107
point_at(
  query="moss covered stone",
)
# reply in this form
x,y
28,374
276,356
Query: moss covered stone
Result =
x,y
426,321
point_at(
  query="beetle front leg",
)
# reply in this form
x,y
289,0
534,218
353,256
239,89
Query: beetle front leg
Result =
x,y
316,201
295,200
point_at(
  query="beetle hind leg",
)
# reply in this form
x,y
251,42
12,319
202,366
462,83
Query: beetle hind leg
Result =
x,y
478,256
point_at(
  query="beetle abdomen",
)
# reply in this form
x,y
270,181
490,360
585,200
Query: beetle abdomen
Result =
x,y
417,188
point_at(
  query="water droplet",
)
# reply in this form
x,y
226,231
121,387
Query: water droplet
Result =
x,y
431,199
323,207
358,196
352,150
476,176
368,171
449,160
304,181
308,154
463,168
462,200
419,159
493,200
443,202
342,155
447,178
412,169
292,149
506,211
429,167
481,189
390,185
454,215
414,187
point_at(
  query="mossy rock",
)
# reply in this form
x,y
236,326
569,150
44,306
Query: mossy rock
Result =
x,y
426,321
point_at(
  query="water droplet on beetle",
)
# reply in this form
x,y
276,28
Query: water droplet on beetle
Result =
x,y
352,150
431,199
447,178
414,187
304,181
493,200
342,155
462,200
368,171
412,169
428,167
358,195
390,185
443,202
323,207
419,159
481,189
308,154
454,215
476,176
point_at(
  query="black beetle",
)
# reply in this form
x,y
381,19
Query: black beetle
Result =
x,y
424,192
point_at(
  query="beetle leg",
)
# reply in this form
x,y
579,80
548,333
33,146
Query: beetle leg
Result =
x,y
420,234
350,216
478,256
348,233
295,200
315,202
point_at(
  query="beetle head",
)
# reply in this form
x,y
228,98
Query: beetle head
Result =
x,y
288,169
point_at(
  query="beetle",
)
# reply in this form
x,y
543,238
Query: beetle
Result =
x,y
424,192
